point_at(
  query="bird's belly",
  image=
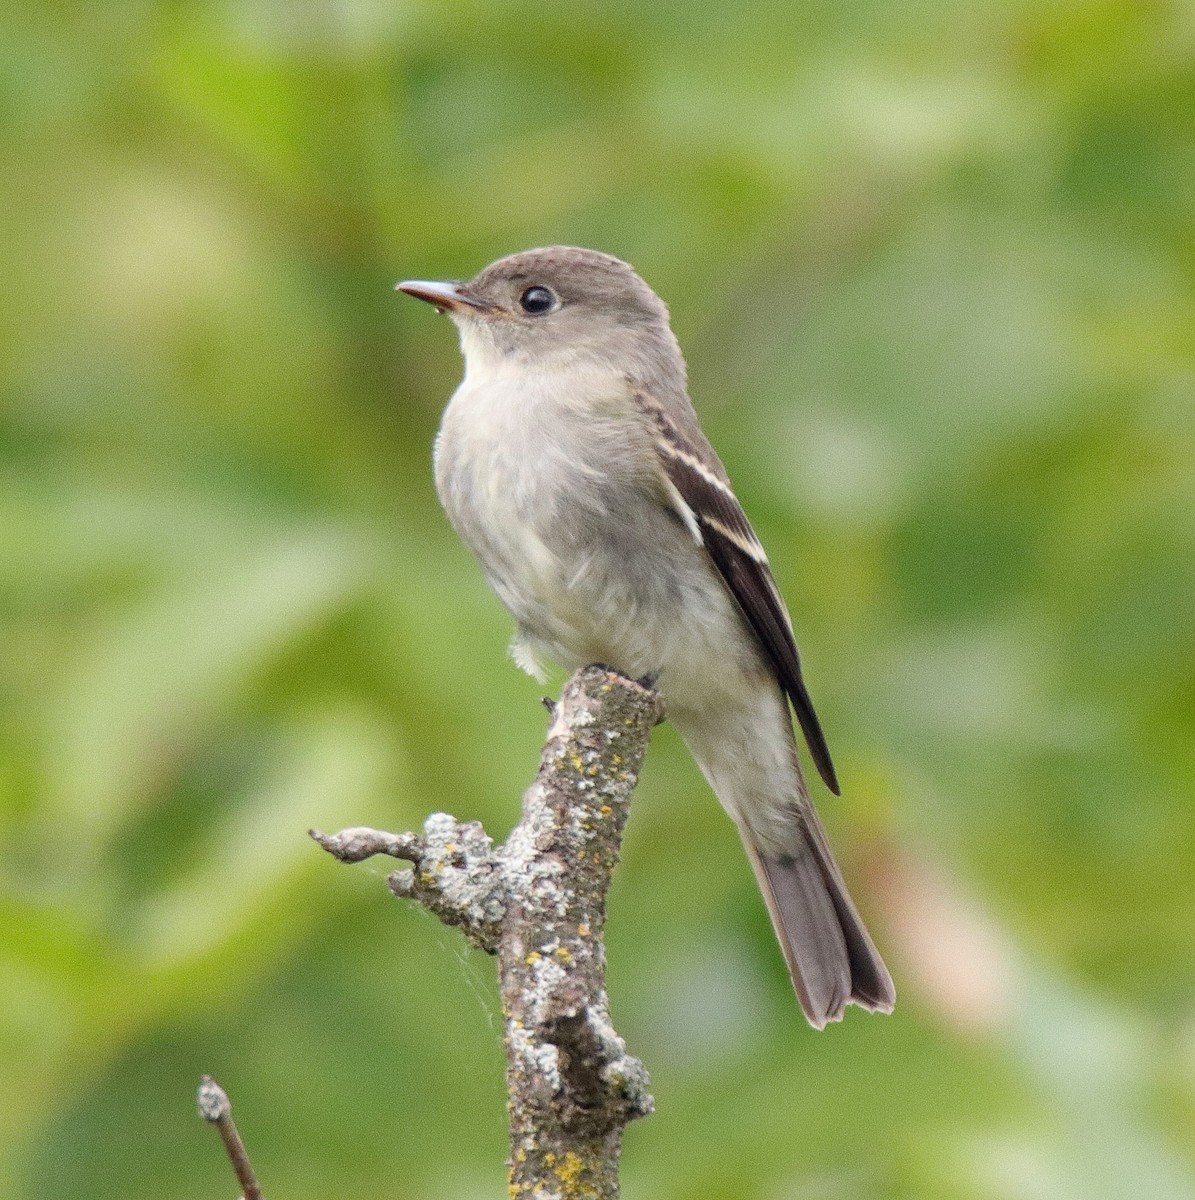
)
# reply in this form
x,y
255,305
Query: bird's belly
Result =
x,y
592,601
644,608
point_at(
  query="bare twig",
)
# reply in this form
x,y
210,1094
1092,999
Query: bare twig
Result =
x,y
215,1107
539,903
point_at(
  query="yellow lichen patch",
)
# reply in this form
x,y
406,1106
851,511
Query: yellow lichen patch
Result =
x,y
583,929
563,954
570,1172
533,958
605,808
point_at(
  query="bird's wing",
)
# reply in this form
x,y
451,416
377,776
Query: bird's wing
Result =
x,y
709,507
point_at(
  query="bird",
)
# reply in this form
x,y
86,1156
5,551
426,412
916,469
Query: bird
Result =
x,y
571,463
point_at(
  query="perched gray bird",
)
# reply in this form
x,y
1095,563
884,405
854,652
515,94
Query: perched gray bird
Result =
x,y
571,462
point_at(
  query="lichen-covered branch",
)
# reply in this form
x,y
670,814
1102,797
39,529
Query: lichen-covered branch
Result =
x,y
457,875
539,903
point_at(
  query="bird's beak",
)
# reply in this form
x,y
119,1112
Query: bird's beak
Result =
x,y
453,296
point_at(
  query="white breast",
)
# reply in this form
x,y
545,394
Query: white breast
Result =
x,y
555,487
516,454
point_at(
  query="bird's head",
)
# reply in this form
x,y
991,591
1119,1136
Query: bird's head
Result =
x,y
557,308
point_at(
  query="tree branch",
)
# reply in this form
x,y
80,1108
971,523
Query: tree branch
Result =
x,y
539,903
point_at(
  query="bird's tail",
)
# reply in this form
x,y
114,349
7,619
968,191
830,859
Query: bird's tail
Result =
x,y
748,753
831,958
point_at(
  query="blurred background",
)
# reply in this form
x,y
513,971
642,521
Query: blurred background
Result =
x,y
932,265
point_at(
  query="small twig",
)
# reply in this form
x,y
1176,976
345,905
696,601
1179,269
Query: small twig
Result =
x,y
357,844
215,1107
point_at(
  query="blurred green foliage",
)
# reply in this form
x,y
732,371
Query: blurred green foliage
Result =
x,y
932,264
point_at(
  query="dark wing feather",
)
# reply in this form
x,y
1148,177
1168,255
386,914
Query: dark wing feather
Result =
x,y
697,474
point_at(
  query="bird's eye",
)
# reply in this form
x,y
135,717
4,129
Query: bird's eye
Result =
x,y
536,300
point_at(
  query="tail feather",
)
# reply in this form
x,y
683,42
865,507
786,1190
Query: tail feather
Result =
x,y
871,984
831,958
747,751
